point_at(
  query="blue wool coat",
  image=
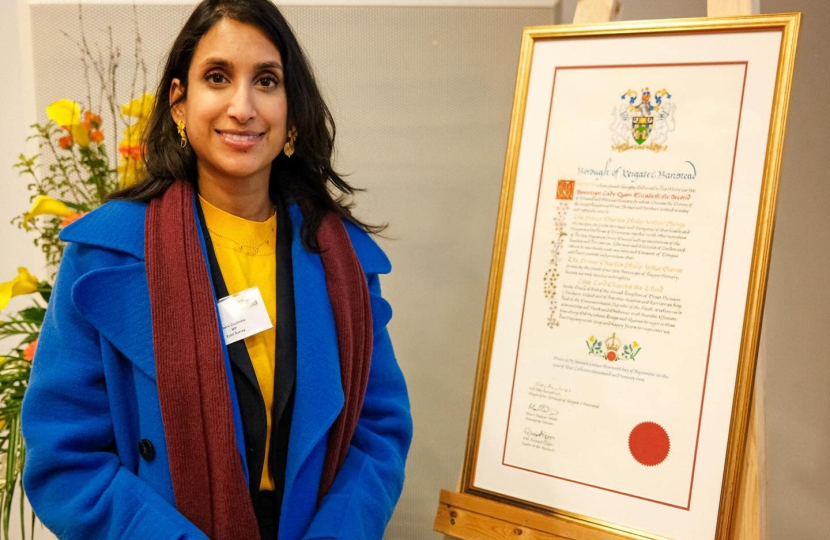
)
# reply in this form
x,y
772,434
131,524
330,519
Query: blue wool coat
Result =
x,y
92,398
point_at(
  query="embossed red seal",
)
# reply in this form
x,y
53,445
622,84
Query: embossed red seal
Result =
x,y
649,443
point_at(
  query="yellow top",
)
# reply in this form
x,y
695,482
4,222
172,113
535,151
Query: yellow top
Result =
x,y
246,252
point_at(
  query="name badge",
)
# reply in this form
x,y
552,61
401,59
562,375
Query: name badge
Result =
x,y
243,314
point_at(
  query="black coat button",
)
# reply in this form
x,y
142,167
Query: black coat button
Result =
x,y
146,450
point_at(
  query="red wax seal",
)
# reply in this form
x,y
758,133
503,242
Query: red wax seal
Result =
x,y
649,443
611,356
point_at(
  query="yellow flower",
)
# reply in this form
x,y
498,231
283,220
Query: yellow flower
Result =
x,y
45,205
64,112
636,344
129,171
67,114
24,283
140,107
131,148
592,338
133,135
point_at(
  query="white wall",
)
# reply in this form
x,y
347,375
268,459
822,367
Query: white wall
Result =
x,y
16,110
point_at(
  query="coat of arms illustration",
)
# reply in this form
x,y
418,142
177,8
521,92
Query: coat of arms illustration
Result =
x,y
643,121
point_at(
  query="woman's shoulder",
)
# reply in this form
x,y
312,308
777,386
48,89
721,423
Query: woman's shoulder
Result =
x,y
115,226
371,256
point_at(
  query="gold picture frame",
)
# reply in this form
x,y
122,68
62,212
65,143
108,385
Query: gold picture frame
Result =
x,y
788,26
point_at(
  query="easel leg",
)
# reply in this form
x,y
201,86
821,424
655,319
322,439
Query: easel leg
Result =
x,y
594,11
748,521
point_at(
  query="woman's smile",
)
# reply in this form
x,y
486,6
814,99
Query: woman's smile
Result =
x,y
240,140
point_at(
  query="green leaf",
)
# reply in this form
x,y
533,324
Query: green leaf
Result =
x,y
33,315
74,206
16,330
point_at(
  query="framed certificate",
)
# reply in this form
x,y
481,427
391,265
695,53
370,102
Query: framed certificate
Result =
x,y
628,274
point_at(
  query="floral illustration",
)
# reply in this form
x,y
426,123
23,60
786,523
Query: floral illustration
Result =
x,y
552,274
612,349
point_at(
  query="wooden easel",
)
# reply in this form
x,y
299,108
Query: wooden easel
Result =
x,y
468,517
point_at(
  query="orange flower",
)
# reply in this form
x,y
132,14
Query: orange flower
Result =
x,y
91,120
96,135
65,141
131,151
70,218
29,351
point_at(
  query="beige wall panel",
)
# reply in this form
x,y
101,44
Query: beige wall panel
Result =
x,y
798,299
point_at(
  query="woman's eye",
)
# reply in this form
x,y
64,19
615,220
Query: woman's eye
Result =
x,y
215,78
269,82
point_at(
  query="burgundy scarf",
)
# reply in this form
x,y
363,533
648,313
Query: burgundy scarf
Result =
x,y
205,465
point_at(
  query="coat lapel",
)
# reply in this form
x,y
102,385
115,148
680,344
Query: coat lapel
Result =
x,y
318,395
116,301
114,297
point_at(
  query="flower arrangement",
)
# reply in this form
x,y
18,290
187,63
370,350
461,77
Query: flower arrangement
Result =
x,y
72,174
78,180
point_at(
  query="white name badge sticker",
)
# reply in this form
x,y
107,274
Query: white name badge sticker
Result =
x,y
243,314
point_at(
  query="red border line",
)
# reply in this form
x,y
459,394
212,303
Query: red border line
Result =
x,y
527,277
597,487
717,286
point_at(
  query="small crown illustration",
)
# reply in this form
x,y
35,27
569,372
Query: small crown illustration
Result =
x,y
612,343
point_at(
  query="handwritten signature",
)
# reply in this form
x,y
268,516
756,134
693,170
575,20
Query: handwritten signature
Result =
x,y
541,434
542,408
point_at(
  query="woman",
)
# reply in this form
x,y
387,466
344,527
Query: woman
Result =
x,y
214,361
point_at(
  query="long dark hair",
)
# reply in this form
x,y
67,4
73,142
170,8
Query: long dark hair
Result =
x,y
308,175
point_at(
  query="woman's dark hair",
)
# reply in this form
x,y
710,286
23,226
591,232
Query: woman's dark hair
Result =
x,y
305,176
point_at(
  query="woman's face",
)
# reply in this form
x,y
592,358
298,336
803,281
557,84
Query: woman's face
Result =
x,y
235,111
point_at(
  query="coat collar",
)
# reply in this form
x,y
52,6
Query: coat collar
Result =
x,y
119,226
114,297
116,225
122,313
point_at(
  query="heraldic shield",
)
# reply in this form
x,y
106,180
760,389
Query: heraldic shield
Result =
x,y
641,128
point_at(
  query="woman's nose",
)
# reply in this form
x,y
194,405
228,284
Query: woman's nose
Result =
x,y
241,106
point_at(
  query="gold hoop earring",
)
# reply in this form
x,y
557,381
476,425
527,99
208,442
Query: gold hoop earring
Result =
x,y
289,145
182,134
